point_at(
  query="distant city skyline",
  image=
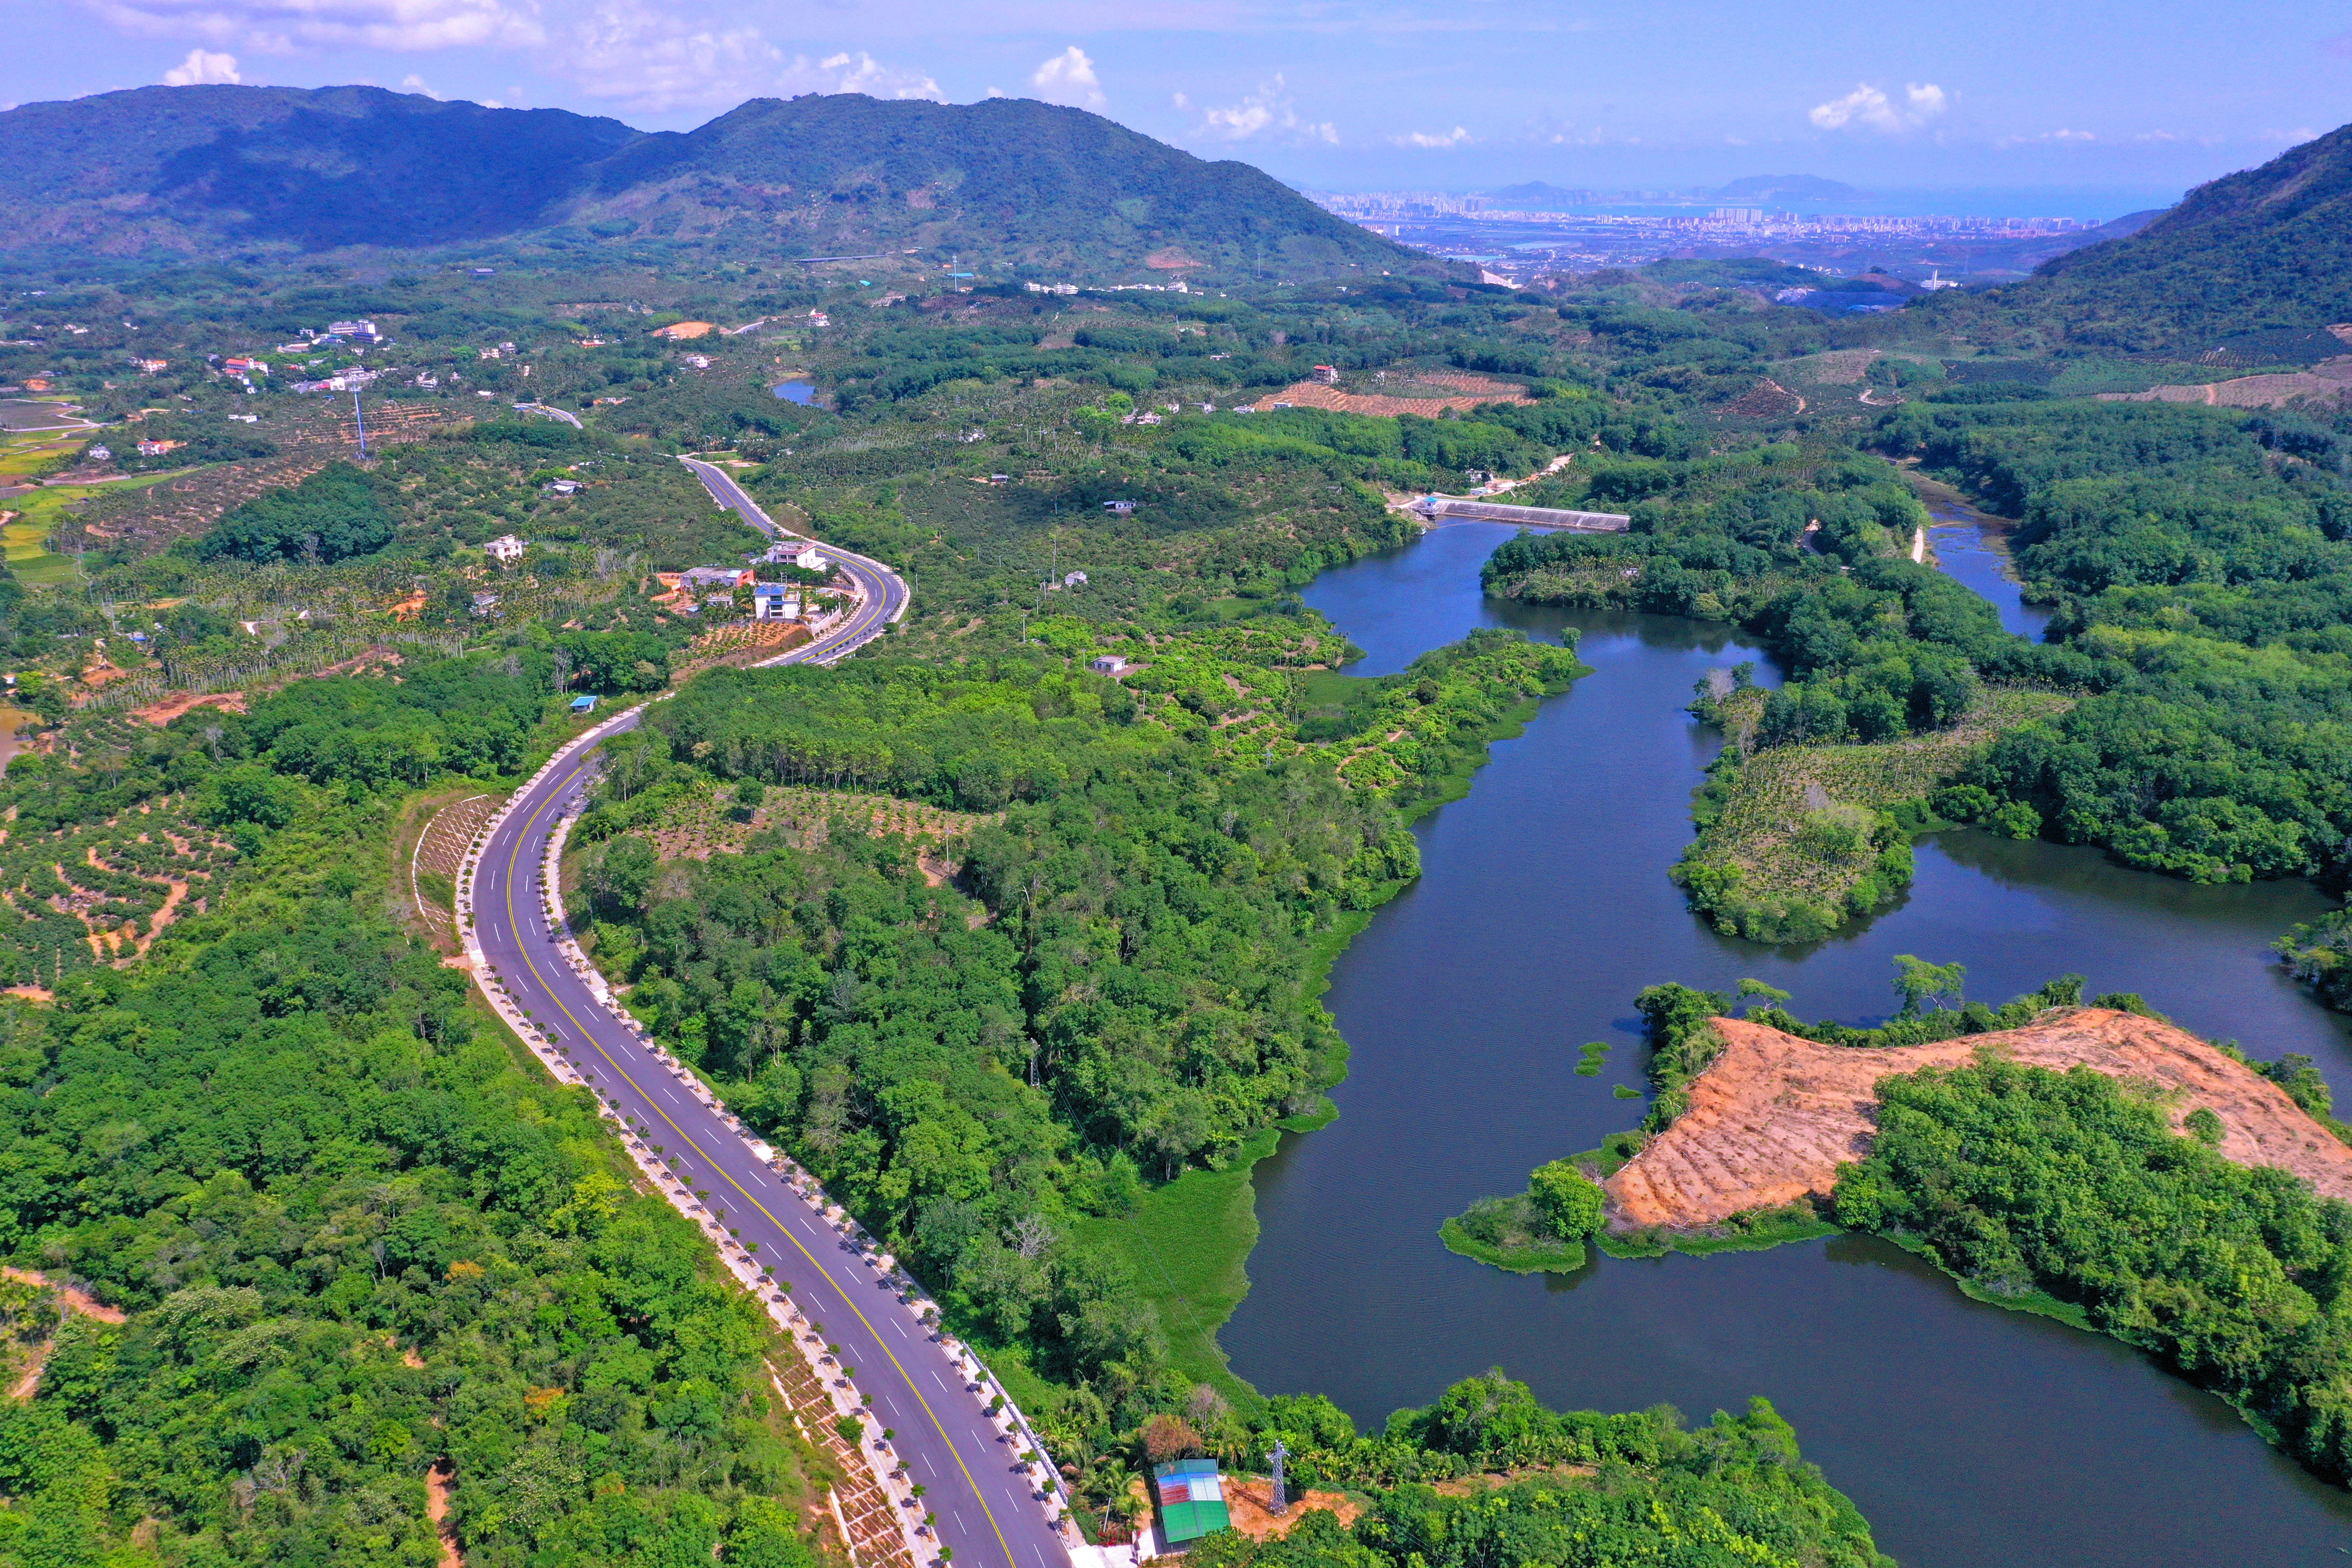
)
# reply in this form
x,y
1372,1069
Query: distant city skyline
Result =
x,y
2098,107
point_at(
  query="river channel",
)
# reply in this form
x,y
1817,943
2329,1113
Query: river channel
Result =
x,y
1970,1435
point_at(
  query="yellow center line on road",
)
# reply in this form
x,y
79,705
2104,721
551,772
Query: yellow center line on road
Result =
x,y
513,858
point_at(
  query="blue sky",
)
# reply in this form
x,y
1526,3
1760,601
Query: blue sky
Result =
x,y
2108,100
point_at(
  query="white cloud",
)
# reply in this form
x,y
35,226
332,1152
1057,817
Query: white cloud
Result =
x,y
1453,138
203,69
279,26
1869,107
1267,108
2062,137
1069,77
653,61
412,82
860,72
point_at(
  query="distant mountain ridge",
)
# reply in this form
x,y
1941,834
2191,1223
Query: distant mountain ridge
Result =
x,y
1785,188
251,171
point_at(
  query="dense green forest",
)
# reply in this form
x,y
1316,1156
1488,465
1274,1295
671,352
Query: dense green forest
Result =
x,y
354,1231
1116,986
1578,1490
2202,560
2021,1179
1808,546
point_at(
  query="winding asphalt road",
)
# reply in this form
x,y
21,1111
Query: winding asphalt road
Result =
x,y
988,1508
884,591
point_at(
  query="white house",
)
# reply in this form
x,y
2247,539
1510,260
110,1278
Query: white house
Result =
x,y
811,559
1118,508
1108,664
504,547
775,602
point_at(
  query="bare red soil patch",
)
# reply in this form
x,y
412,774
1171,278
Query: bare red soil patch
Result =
x,y
161,713
1469,392
1772,1117
1247,1499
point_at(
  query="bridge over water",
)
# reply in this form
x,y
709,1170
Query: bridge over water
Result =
x,y
1440,509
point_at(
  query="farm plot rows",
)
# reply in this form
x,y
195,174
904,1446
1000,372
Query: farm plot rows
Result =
x,y
81,896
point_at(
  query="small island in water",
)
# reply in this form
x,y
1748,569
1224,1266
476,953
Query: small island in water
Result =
x,y
2094,1164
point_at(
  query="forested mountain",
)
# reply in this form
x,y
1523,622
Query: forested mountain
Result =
x,y
2255,251
265,170
184,168
1004,178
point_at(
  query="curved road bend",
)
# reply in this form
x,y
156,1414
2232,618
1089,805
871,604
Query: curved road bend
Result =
x,y
986,1505
885,593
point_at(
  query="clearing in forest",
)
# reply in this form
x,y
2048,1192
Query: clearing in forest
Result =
x,y
1425,392
699,825
1773,1116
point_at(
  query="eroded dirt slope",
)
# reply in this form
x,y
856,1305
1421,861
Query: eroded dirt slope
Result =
x,y
1774,1116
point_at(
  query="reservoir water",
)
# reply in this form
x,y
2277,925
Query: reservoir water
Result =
x,y
1970,1435
1970,552
800,392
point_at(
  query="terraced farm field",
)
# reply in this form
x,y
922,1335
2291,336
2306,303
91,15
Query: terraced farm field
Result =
x,y
93,893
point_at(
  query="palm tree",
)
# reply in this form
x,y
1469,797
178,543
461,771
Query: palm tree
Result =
x,y
1113,1482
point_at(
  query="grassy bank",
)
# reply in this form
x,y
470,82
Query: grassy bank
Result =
x,y
1795,841
1190,1241
1511,1232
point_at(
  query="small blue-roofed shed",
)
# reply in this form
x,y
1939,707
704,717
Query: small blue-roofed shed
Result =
x,y
583,705
1191,1499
